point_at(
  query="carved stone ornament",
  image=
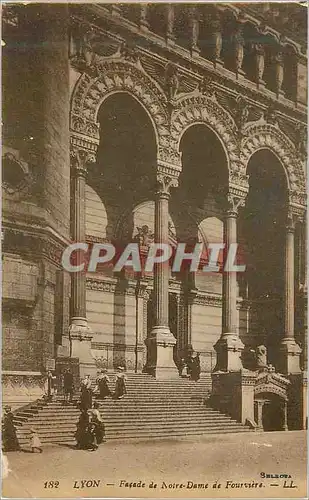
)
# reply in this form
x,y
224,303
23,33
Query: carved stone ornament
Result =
x,y
202,109
301,140
269,137
143,237
165,183
80,160
206,87
241,113
235,200
16,178
120,76
171,81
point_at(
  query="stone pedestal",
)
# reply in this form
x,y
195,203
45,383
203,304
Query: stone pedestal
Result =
x,y
233,393
297,402
160,362
229,348
289,355
80,342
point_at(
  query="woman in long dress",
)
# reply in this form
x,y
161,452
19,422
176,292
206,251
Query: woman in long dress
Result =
x,y
96,420
9,437
120,387
195,367
86,393
102,384
82,435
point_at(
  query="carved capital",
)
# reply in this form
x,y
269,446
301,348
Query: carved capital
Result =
x,y
80,160
165,183
234,200
294,215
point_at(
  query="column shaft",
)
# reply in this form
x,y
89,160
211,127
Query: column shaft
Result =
x,y
229,319
289,286
79,279
289,352
161,271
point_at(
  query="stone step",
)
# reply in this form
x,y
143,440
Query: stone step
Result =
x,y
45,434
152,409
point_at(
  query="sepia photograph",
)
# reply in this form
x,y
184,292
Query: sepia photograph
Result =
x,y
154,249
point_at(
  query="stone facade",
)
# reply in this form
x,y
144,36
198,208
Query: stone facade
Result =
x,y
141,123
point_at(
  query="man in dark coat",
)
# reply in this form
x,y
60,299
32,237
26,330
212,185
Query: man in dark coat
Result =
x,y
68,386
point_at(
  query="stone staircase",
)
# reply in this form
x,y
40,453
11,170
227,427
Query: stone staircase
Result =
x,y
151,409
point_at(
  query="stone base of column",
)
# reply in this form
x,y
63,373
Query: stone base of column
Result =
x,y
289,357
297,402
160,349
233,393
261,84
218,63
80,335
229,348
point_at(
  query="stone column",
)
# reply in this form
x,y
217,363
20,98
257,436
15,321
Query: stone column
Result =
x,y
289,349
238,48
144,25
161,341
79,331
215,30
170,18
194,20
140,294
259,56
279,73
229,346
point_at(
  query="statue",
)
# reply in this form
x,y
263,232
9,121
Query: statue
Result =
x,y
171,81
143,237
260,357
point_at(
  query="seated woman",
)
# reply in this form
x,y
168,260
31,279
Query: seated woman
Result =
x,y
120,387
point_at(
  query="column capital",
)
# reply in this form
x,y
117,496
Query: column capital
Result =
x,y
164,183
294,215
234,200
80,160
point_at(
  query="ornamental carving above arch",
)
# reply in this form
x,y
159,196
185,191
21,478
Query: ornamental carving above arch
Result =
x,y
203,109
122,76
270,137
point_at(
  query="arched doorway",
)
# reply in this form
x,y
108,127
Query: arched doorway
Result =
x,y
201,195
263,226
124,177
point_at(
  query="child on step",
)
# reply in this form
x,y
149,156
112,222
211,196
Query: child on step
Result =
x,y
35,442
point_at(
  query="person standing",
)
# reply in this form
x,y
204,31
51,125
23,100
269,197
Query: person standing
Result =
x,y
96,419
51,385
195,367
120,387
35,442
82,434
68,386
86,393
9,437
102,383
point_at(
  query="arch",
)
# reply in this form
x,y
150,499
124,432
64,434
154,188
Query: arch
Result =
x,y
203,110
271,137
119,76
